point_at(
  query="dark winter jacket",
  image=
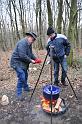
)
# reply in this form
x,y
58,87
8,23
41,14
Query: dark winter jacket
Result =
x,y
61,46
22,55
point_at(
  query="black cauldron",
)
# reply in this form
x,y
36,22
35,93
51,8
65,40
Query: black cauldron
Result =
x,y
47,92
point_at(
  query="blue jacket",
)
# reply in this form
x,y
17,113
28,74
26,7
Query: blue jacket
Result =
x,y
61,46
22,55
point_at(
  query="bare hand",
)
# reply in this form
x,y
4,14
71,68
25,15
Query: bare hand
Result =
x,y
65,56
33,61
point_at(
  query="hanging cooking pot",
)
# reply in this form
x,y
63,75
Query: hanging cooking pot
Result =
x,y
47,92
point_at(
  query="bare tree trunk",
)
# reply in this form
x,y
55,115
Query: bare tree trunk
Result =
x,y
79,24
65,19
37,10
50,19
72,30
17,31
44,24
54,13
59,19
40,27
39,24
1,39
11,21
21,15
4,36
2,30
25,21
29,17
10,37
81,38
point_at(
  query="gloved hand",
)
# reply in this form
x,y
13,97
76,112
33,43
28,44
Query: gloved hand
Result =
x,y
38,60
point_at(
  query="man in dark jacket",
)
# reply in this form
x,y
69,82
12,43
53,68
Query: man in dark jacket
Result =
x,y
21,57
60,51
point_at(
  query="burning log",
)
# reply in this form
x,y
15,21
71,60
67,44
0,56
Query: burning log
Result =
x,y
59,100
56,105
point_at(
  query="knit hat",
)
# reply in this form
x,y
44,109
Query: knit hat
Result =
x,y
50,31
32,34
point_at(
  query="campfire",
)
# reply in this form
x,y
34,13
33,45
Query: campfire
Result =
x,y
58,104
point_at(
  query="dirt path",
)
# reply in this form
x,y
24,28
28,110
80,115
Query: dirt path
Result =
x,y
23,113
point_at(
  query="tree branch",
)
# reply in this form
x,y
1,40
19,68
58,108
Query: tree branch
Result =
x,y
76,13
68,3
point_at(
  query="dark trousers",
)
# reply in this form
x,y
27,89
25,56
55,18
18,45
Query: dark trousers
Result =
x,y
63,64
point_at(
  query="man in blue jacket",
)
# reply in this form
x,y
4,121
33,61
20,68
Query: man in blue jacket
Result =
x,y
60,51
21,57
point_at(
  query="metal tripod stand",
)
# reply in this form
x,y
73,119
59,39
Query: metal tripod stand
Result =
x,y
51,58
51,78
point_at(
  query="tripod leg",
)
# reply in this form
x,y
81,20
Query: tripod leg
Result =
x,y
68,79
38,78
65,73
71,87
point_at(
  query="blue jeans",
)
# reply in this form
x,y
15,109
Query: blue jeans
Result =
x,y
63,64
22,75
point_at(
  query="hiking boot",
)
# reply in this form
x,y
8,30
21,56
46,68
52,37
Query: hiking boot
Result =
x,y
28,89
64,83
56,83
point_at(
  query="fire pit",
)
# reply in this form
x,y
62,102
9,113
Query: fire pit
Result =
x,y
58,104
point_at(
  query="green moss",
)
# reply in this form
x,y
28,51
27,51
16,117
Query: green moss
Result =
x,y
70,58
